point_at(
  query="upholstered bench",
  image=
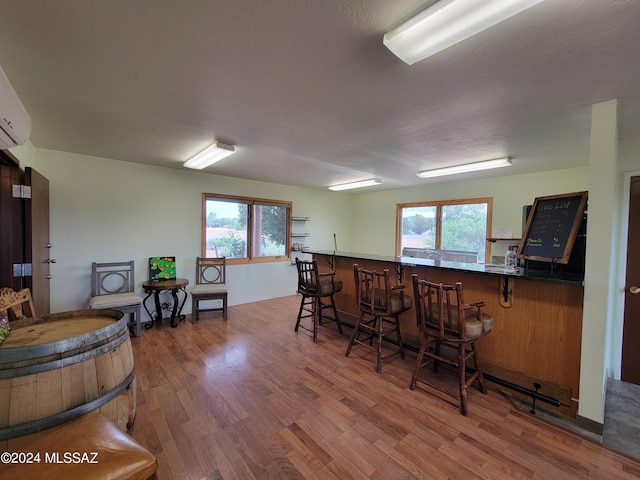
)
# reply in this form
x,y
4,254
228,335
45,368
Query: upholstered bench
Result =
x,y
91,447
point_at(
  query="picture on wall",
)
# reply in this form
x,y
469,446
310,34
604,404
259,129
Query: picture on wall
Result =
x,y
162,268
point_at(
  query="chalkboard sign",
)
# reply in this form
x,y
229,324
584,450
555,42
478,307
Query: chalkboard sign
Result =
x,y
552,227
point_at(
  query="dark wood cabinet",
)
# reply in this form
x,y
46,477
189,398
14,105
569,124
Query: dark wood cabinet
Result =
x,y
24,237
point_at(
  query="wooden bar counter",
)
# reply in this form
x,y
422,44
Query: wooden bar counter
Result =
x,y
537,329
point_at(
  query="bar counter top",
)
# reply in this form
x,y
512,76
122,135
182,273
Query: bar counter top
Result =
x,y
481,268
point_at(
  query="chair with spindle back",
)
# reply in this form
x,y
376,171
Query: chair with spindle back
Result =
x,y
314,286
376,298
445,320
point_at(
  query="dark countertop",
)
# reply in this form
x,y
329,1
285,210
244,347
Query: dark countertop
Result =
x,y
480,268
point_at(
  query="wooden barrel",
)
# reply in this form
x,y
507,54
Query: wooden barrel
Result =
x,y
56,368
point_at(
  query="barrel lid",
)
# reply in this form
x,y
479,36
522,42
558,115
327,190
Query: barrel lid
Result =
x,y
61,333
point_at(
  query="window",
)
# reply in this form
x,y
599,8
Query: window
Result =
x,y
245,229
454,225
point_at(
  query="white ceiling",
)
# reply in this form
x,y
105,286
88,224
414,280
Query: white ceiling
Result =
x,y
306,90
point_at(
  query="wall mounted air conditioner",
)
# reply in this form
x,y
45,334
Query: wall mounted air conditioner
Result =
x,y
15,123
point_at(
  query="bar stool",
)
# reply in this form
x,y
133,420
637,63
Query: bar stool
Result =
x,y
375,297
314,286
445,320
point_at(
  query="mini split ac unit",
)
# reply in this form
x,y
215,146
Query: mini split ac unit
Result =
x,y
15,123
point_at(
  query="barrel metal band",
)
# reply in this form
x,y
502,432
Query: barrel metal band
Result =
x,y
97,337
63,362
35,426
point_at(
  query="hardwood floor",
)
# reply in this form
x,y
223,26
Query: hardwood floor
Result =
x,y
249,398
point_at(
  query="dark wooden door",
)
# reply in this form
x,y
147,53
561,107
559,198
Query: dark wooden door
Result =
x,y
37,244
630,371
11,232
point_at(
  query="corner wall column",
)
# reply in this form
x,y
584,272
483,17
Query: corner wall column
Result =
x,y
599,275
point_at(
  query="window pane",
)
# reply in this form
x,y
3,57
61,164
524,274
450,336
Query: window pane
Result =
x,y
464,227
226,229
270,230
418,227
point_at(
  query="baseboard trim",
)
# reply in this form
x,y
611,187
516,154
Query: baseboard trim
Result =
x,y
590,425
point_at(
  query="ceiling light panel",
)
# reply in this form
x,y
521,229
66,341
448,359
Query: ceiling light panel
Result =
x,y
446,23
210,155
362,183
467,167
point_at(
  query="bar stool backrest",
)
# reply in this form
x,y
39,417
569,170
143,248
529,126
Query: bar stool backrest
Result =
x,y
441,308
373,291
308,277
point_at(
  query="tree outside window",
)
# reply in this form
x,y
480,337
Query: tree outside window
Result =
x,y
455,225
245,229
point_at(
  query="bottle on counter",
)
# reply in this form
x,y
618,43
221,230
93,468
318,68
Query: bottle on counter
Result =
x,y
510,259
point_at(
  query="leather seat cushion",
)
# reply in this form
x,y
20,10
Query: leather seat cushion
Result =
x,y
474,326
119,456
326,287
399,303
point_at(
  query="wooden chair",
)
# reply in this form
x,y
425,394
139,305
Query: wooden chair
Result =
x,y
375,297
113,287
210,284
16,305
445,320
314,286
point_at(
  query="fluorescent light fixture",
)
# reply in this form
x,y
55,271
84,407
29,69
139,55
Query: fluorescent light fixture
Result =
x,y
210,155
362,183
448,22
467,167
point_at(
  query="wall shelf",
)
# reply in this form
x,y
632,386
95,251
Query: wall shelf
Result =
x,y
297,244
496,239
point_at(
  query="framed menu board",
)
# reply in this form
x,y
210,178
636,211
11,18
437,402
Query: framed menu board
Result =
x,y
552,227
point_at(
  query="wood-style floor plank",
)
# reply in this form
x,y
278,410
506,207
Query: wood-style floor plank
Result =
x,y
251,399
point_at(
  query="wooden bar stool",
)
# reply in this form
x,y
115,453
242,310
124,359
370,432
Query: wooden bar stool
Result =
x,y
445,320
375,297
314,286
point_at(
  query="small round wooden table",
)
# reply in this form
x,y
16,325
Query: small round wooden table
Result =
x,y
155,287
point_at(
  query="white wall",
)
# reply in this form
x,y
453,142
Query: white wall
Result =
x,y
629,152
107,210
26,154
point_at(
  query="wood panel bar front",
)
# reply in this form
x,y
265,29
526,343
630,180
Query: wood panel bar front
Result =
x,y
537,333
